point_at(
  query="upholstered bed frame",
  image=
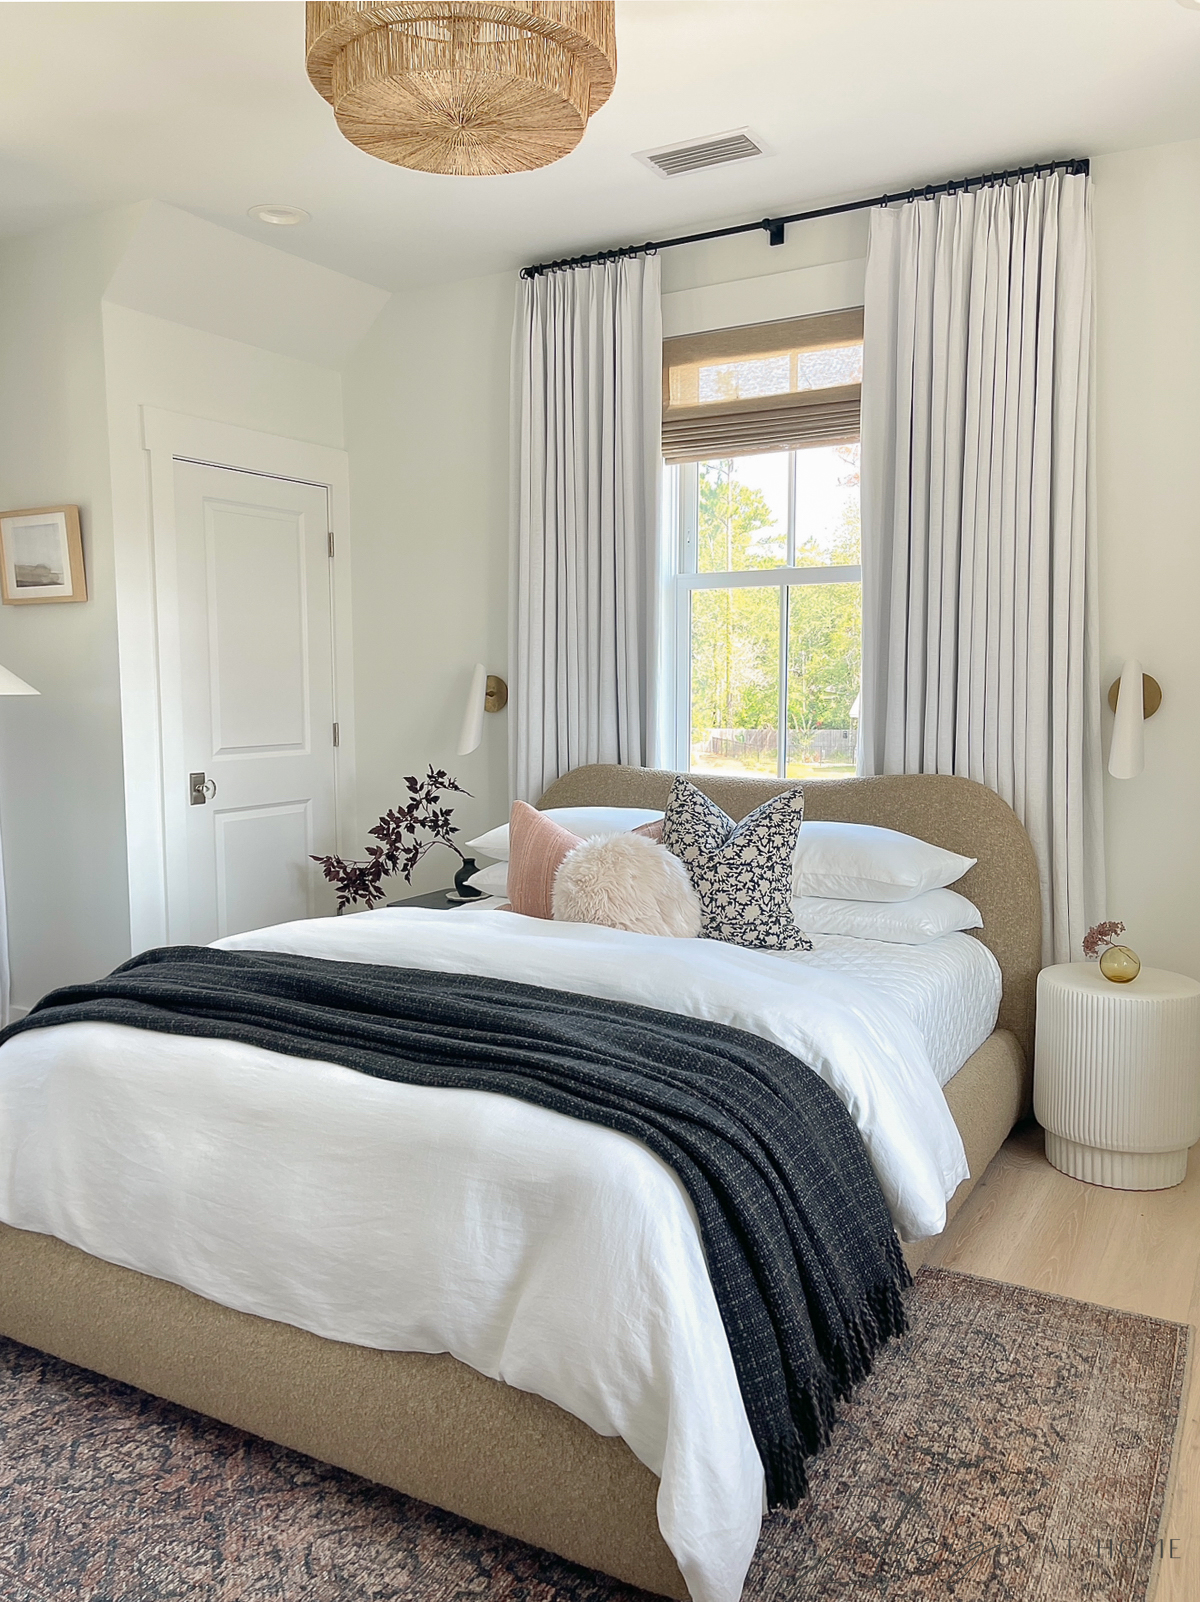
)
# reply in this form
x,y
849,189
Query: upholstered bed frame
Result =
x,y
430,1426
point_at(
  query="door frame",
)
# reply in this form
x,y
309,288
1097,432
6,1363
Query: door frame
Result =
x,y
152,711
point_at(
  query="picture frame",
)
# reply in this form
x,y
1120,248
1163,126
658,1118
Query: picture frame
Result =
x,y
41,556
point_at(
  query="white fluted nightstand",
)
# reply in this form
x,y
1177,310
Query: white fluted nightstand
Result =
x,y
1116,1077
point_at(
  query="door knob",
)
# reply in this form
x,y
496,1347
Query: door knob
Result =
x,y
200,789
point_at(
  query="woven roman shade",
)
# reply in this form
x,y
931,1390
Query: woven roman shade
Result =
x,y
765,387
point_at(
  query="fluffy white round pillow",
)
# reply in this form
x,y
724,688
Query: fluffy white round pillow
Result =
x,y
626,882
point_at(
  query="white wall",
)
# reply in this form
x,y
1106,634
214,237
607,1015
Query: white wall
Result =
x,y
185,270
205,323
141,307
426,401
150,361
427,410
1147,223
696,268
1147,209
61,790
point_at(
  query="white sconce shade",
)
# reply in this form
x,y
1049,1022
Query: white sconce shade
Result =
x,y
472,724
1127,753
10,684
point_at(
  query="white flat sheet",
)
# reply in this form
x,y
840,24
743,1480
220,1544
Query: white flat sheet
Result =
x,y
555,1255
949,988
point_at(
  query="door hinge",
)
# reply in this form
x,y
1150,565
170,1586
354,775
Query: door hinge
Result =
x,y
337,735
331,544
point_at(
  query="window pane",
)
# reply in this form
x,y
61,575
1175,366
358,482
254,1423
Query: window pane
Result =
x,y
824,671
819,369
755,375
827,526
743,513
735,680
785,373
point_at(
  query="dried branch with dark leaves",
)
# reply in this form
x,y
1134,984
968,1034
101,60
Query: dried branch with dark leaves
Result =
x,y
405,833
1099,936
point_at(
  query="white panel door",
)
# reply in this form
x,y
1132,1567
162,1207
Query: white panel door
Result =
x,y
256,660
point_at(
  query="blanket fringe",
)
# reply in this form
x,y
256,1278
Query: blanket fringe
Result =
x,y
882,1316
787,1479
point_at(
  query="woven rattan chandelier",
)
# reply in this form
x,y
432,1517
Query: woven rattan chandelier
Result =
x,y
463,86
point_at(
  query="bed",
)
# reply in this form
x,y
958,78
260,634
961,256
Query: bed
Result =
x,y
432,1426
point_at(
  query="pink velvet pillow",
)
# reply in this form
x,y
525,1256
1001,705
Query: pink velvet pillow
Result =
x,y
536,846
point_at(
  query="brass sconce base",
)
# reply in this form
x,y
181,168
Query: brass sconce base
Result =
x,y
495,697
1151,695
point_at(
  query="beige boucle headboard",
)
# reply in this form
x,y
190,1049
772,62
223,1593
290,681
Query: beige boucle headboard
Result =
x,y
957,814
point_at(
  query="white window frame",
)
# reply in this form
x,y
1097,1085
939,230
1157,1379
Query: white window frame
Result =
x,y
681,483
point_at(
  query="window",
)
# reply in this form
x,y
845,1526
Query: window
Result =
x,y
767,591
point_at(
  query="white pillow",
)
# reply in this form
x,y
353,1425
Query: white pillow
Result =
x,y
859,862
908,923
586,822
492,881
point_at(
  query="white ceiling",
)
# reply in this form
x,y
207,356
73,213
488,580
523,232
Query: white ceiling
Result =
x,y
207,106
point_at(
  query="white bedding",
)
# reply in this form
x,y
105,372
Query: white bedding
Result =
x,y
555,1255
949,988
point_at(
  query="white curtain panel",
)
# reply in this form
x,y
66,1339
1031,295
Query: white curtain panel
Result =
x,y
979,569
587,410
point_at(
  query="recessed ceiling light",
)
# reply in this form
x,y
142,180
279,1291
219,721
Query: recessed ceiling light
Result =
x,y
278,216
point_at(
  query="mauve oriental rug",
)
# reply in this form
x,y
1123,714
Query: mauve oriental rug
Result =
x,y
1014,1447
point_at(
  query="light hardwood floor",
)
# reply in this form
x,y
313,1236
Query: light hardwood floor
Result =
x,y
1138,1250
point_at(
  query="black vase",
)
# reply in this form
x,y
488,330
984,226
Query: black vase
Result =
x,y
465,891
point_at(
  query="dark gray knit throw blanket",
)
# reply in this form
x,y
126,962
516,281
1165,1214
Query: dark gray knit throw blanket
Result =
x,y
804,1261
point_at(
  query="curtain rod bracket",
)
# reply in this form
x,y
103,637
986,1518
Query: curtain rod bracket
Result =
x,y
775,230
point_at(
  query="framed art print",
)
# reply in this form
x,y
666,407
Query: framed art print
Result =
x,y
41,556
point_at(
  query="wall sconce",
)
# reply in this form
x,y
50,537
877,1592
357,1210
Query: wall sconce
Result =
x,y
1134,697
487,694
10,684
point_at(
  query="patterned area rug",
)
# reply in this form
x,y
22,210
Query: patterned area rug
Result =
x,y
1015,1447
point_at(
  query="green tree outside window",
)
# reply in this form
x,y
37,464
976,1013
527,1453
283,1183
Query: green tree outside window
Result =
x,y
735,633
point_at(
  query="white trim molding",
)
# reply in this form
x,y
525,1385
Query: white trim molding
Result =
x,y
147,615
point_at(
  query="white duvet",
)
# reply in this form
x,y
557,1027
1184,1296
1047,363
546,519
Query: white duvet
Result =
x,y
557,1256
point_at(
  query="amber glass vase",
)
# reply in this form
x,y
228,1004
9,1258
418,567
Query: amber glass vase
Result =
x,y
1120,964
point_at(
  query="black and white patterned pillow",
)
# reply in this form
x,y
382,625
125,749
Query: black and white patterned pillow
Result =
x,y
742,872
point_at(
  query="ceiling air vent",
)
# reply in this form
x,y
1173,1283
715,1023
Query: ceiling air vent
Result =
x,y
693,155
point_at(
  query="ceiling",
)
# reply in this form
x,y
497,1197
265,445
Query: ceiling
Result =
x,y
207,106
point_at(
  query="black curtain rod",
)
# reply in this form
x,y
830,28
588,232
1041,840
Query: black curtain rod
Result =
x,y
774,227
